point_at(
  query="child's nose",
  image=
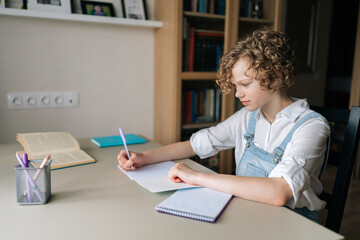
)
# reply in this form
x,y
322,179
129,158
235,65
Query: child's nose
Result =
x,y
238,93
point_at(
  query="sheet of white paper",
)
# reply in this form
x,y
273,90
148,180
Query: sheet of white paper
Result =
x,y
154,177
149,171
161,184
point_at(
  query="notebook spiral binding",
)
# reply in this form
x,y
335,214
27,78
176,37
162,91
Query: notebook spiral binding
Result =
x,y
185,214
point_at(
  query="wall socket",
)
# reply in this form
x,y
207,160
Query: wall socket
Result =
x,y
22,100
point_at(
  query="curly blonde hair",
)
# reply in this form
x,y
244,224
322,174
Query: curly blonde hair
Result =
x,y
268,52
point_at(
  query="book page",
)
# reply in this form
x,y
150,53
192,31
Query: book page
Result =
x,y
65,159
47,142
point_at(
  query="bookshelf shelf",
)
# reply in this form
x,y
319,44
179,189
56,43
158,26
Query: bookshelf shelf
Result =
x,y
254,20
80,18
198,75
198,125
204,15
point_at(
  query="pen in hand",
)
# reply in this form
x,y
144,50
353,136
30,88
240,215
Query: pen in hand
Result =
x,y
125,145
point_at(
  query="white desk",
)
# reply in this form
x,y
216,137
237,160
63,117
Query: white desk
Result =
x,y
98,201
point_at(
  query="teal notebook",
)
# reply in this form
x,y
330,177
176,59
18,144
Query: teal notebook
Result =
x,y
110,141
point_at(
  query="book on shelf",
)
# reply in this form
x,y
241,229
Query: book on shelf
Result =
x,y
205,6
201,105
202,49
64,148
251,9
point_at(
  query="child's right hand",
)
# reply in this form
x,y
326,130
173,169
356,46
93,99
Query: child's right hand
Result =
x,y
136,160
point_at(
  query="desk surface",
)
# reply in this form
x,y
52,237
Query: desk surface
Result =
x,y
98,201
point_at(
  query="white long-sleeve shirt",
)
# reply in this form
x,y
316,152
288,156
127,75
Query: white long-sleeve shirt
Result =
x,y
303,157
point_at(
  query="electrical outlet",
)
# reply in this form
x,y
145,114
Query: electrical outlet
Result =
x,y
29,100
14,100
56,99
42,99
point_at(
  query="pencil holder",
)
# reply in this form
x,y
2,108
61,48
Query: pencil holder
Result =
x,y
33,184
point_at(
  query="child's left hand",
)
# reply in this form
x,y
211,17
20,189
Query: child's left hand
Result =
x,y
182,173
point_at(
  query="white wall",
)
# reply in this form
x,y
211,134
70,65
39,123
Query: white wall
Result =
x,y
110,66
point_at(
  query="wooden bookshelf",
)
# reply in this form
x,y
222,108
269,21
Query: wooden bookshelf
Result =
x,y
169,77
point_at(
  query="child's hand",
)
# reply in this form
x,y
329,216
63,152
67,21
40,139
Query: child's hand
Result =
x,y
182,173
136,160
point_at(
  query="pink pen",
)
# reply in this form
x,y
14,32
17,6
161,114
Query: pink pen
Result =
x,y
126,149
42,165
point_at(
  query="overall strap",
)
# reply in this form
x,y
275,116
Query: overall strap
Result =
x,y
251,126
279,151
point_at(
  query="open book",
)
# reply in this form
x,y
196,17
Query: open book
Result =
x,y
64,149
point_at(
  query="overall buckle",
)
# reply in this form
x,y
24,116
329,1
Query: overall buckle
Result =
x,y
247,138
278,153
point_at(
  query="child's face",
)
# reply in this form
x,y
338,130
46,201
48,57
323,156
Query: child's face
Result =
x,y
248,89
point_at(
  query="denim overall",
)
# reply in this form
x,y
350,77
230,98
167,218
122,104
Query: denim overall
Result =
x,y
256,162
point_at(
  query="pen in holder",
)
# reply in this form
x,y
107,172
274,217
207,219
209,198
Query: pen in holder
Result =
x,y
33,184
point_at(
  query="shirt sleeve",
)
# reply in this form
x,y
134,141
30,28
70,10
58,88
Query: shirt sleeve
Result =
x,y
208,142
303,158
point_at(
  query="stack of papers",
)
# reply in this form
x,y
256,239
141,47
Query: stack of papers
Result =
x,y
188,201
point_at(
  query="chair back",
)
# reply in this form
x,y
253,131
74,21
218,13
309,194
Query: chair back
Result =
x,y
343,159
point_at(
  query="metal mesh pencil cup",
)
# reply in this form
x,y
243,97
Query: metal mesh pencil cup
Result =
x,y
33,184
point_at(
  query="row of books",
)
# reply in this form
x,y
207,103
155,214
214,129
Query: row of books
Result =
x,y
202,49
201,105
205,6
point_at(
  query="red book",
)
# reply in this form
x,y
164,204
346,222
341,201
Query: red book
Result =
x,y
188,105
191,49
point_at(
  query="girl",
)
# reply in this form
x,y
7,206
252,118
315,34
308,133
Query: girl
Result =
x,y
279,142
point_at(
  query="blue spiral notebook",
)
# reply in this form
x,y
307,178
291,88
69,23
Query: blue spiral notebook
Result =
x,y
110,141
202,204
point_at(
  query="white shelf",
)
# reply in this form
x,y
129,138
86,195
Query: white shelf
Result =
x,y
80,18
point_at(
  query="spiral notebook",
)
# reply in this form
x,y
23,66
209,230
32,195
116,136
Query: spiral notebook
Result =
x,y
202,204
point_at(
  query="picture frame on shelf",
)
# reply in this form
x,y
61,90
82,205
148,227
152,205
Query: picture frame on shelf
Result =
x,y
134,9
2,3
105,9
61,6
